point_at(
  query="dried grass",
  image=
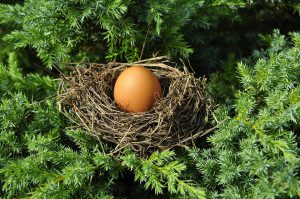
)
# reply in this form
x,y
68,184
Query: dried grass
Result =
x,y
181,116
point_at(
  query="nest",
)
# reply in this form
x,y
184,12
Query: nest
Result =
x,y
176,119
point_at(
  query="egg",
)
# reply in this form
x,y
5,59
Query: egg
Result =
x,y
136,89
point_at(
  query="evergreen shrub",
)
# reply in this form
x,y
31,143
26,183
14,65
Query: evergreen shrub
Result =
x,y
255,153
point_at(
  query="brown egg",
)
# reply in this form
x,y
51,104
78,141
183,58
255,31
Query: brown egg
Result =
x,y
136,89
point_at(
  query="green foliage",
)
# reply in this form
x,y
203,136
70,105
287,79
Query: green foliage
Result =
x,y
255,153
62,31
54,28
97,31
223,85
161,167
238,33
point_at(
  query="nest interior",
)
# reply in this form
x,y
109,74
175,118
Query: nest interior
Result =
x,y
176,119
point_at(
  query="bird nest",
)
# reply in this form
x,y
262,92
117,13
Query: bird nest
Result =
x,y
176,119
